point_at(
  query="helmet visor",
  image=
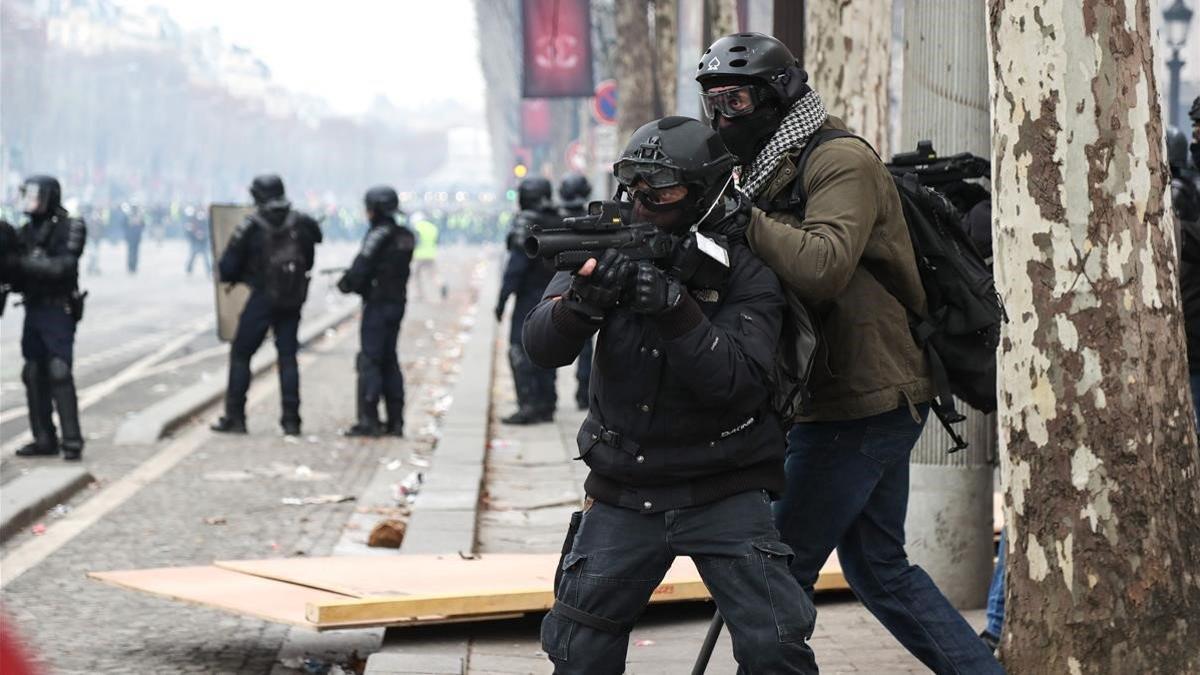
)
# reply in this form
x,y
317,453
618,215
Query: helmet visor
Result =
x,y
33,198
729,101
654,174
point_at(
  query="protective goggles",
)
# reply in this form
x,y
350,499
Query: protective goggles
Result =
x,y
731,103
655,174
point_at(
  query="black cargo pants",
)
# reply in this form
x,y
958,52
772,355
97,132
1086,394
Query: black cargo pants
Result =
x,y
619,556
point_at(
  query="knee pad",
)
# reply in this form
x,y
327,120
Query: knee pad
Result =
x,y
60,371
30,372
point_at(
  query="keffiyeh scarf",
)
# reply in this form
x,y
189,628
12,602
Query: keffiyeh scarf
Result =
x,y
802,121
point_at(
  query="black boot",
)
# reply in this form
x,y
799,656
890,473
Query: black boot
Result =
x,y
62,389
525,416
41,422
229,425
366,401
290,425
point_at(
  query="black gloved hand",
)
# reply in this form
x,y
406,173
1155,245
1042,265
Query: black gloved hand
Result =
x,y
343,285
598,292
654,291
500,309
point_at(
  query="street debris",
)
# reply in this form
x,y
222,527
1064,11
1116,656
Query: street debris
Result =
x,y
418,462
278,470
406,490
317,499
387,534
60,511
38,529
215,520
394,464
643,643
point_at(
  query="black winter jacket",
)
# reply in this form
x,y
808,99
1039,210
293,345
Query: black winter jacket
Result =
x,y
525,277
380,271
47,270
243,260
680,412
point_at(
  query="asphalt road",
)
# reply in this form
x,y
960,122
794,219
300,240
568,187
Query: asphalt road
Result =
x,y
143,336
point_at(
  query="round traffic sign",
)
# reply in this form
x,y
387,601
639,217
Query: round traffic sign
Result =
x,y
604,104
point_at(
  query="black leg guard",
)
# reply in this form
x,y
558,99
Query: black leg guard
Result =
x,y
62,389
41,420
367,399
235,391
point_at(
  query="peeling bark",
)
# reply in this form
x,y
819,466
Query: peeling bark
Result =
x,y
848,57
1099,458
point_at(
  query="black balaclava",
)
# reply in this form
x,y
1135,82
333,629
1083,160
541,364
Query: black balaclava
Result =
x,y
747,136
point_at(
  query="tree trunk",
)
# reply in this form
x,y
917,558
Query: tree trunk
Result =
x,y
1098,448
665,60
634,74
848,47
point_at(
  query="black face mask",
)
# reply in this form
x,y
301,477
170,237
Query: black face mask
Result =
x,y
748,135
1195,148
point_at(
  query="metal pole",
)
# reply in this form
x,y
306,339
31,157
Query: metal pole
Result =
x,y
1176,66
710,643
945,100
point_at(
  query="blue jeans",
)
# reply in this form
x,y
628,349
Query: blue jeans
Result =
x,y
995,603
847,488
619,556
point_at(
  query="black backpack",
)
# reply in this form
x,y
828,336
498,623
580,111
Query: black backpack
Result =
x,y
962,331
286,275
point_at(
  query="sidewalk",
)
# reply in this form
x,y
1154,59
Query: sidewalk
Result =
x,y
532,485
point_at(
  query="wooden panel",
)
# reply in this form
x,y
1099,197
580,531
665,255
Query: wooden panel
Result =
x,y
222,589
349,592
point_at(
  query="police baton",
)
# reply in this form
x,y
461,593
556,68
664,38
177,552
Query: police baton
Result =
x,y
710,643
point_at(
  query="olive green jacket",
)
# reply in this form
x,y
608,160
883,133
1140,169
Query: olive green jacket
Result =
x,y
853,224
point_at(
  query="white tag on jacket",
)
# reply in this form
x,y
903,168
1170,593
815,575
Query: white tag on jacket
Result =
x,y
712,249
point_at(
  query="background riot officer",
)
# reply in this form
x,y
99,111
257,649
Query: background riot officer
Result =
x,y
527,279
380,275
50,244
272,252
573,193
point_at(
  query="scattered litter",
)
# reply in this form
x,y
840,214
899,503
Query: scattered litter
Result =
x,y
60,510
416,461
313,439
300,472
395,464
387,534
407,489
643,643
38,530
215,520
318,499
337,670
291,439
274,545
228,476
303,472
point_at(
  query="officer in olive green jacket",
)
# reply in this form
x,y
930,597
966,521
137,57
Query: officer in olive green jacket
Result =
x,y
844,251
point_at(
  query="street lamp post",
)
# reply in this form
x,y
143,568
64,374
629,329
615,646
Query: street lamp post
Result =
x,y
1177,19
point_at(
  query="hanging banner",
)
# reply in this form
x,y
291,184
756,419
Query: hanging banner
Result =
x,y
557,48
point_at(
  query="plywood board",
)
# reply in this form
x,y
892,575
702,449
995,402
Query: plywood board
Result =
x,y
222,589
360,591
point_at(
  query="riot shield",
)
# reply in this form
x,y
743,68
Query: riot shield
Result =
x,y
223,219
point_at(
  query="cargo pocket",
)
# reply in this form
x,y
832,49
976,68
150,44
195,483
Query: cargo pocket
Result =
x,y
556,630
793,611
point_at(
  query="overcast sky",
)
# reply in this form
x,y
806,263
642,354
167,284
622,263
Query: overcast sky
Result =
x,y
350,50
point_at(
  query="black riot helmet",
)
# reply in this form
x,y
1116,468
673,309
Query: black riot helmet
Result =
x,y
382,201
754,58
678,151
267,191
1177,149
574,190
534,193
40,195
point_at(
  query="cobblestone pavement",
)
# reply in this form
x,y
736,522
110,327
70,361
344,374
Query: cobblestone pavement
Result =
x,y
76,625
530,515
